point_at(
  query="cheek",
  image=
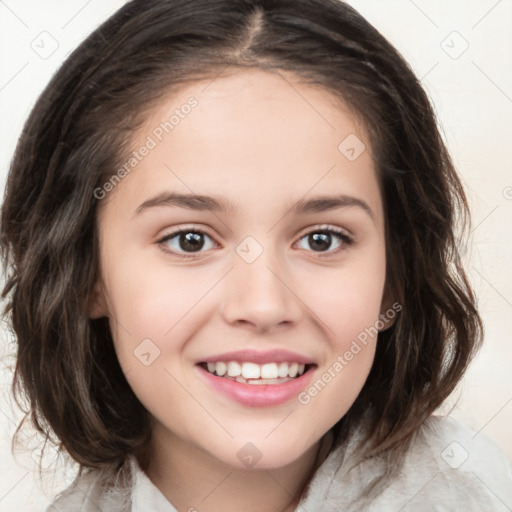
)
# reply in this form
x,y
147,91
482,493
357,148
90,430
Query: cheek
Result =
x,y
154,302
348,302
154,311
348,305
351,312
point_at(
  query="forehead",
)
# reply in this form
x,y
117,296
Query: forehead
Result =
x,y
269,107
253,135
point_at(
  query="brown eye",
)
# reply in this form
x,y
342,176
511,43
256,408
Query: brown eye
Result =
x,y
187,241
322,240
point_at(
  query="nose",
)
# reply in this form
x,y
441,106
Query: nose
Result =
x,y
260,296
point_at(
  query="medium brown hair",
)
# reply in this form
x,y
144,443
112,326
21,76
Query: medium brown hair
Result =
x,y
80,131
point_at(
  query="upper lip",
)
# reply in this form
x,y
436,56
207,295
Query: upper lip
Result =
x,y
259,357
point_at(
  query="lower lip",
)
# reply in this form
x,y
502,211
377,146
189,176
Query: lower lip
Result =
x,y
258,395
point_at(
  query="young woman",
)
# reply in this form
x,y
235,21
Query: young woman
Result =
x,y
230,233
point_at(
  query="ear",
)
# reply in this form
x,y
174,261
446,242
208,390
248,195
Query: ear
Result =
x,y
97,302
389,310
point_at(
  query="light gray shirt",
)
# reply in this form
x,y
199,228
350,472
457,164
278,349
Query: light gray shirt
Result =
x,y
448,468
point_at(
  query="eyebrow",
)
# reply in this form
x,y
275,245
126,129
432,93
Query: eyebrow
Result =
x,y
316,204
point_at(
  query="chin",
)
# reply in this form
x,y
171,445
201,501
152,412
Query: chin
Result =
x,y
263,454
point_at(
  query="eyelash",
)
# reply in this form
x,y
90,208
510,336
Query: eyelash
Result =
x,y
344,238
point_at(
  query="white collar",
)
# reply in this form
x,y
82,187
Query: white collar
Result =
x,y
145,494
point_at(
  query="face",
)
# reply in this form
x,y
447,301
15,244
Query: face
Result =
x,y
281,260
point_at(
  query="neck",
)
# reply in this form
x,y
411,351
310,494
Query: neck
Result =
x,y
192,480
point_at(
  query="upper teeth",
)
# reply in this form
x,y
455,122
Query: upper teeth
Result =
x,y
256,371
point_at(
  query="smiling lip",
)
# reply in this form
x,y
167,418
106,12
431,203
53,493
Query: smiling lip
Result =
x,y
262,395
258,357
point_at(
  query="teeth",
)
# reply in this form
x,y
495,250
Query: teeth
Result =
x,y
221,368
234,369
260,381
283,370
262,372
251,371
293,369
269,371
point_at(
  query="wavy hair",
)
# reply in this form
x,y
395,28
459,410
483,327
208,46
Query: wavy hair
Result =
x,y
67,373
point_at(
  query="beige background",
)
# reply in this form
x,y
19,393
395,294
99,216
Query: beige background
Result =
x,y
461,50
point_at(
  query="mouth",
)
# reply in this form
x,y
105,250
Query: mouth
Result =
x,y
246,372
265,383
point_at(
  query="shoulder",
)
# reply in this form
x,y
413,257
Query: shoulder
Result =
x,y
95,490
459,451
125,490
449,466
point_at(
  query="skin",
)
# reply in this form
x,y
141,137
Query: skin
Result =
x,y
263,144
